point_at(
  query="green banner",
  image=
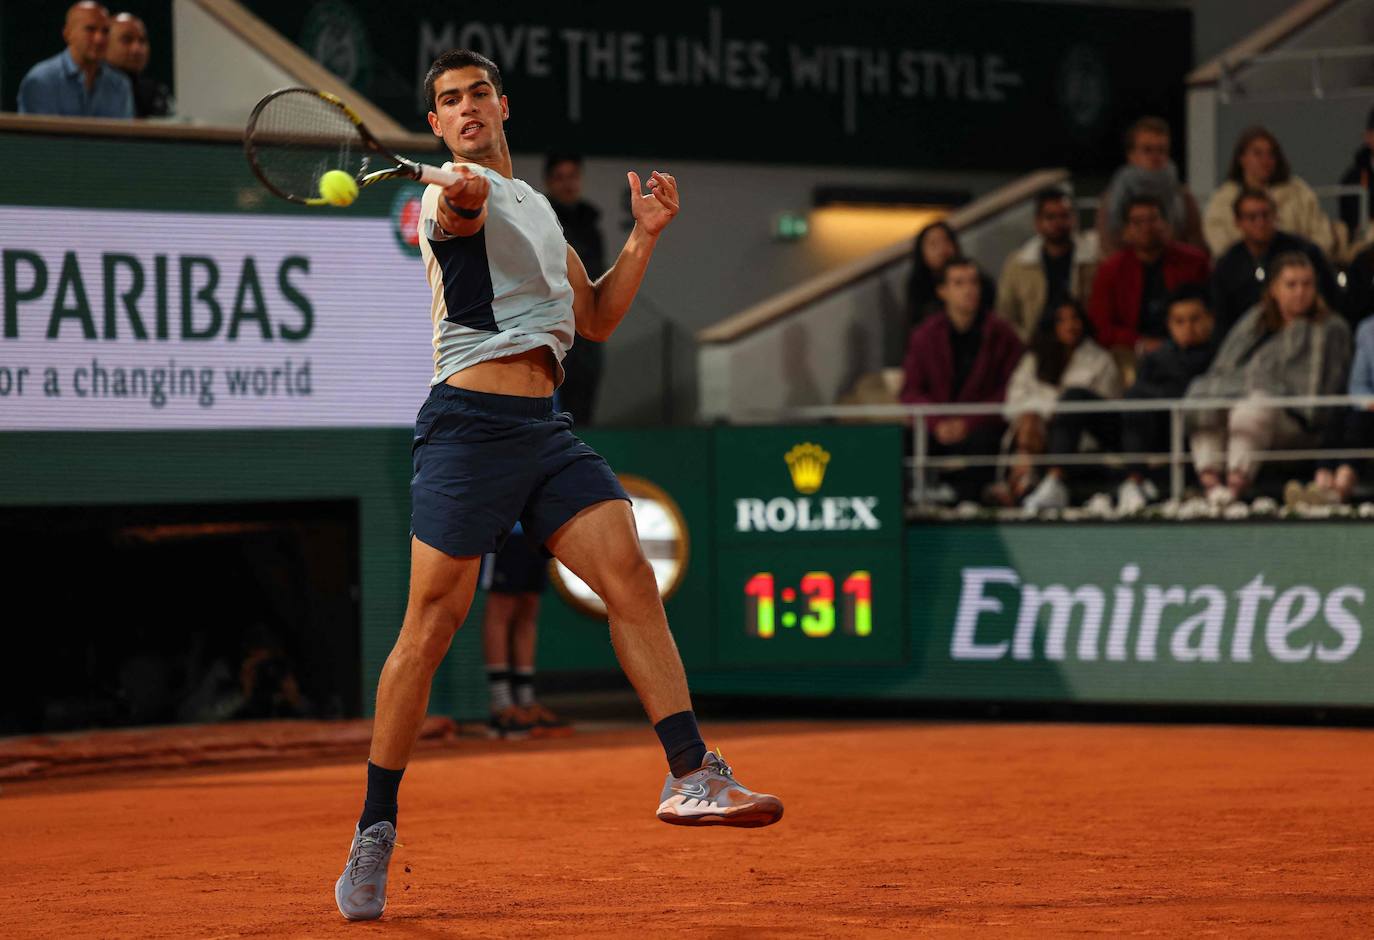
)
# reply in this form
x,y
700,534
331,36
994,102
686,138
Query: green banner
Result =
x,y
1271,613
1265,613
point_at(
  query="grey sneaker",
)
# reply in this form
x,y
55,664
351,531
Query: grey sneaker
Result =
x,y
711,796
360,891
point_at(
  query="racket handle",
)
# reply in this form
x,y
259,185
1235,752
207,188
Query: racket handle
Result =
x,y
437,175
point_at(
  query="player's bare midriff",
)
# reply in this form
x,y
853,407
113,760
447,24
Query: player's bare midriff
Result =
x,y
529,374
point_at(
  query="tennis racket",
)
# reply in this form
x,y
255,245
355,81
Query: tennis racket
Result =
x,y
296,135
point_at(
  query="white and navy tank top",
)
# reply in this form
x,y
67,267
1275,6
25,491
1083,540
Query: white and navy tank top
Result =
x,y
502,291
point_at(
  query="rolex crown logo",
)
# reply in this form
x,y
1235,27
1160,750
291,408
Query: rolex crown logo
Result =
x,y
806,463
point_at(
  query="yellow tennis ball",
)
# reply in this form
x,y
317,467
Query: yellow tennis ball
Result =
x,y
338,188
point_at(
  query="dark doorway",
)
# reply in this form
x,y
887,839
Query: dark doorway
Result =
x,y
140,615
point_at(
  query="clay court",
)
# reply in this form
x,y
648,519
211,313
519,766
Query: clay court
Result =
x,y
943,829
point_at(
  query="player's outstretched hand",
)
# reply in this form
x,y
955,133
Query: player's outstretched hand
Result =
x,y
655,210
469,193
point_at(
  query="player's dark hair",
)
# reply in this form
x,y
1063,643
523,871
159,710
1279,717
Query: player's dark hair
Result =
x,y
1049,194
553,159
958,261
1142,199
460,59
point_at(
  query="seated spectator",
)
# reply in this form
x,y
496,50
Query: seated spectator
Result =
x,y
1288,344
1358,302
1351,428
1148,172
1132,286
129,53
1360,173
935,246
1054,266
1062,364
1238,280
1258,163
77,82
966,353
1165,373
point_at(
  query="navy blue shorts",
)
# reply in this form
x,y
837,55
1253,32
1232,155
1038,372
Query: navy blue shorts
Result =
x,y
484,461
518,567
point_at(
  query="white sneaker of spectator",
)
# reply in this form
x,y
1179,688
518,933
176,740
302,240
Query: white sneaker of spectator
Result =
x,y
1134,495
1220,496
1050,494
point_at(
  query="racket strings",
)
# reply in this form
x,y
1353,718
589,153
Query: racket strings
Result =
x,y
297,136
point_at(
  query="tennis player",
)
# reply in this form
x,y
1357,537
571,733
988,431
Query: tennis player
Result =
x,y
509,295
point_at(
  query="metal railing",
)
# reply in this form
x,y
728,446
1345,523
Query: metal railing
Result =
x,y
1176,457
1230,86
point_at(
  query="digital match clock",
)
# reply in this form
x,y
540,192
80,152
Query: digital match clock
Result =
x,y
817,605
810,604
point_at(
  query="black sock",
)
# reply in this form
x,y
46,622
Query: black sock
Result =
x,y
380,803
682,744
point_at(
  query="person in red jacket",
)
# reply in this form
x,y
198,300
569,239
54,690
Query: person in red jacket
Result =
x,y
966,354
1130,293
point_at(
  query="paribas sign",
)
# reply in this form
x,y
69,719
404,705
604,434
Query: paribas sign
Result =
x,y
1000,616
121,319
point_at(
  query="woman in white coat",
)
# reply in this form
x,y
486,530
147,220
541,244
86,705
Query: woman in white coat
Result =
x,y
1064,363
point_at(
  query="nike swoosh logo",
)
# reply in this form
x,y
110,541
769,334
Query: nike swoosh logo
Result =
x,y
519,196
691,789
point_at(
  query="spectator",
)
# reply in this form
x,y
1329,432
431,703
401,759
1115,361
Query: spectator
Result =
x,y
129,53
1360,173
1132,286
1258,163
1288,344
1062,364
935,246
1238,280
1358,302
1054,266
1165,373
581,227
1352,428
965,354
1148,172
77,82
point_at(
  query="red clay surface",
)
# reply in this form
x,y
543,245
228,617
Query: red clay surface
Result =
x,y
949,830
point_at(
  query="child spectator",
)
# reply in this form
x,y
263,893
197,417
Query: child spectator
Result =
x,y
1165,373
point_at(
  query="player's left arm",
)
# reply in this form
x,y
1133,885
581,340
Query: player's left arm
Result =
x,y
600,306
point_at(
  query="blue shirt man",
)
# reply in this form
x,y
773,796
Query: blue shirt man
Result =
x,y
77,82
